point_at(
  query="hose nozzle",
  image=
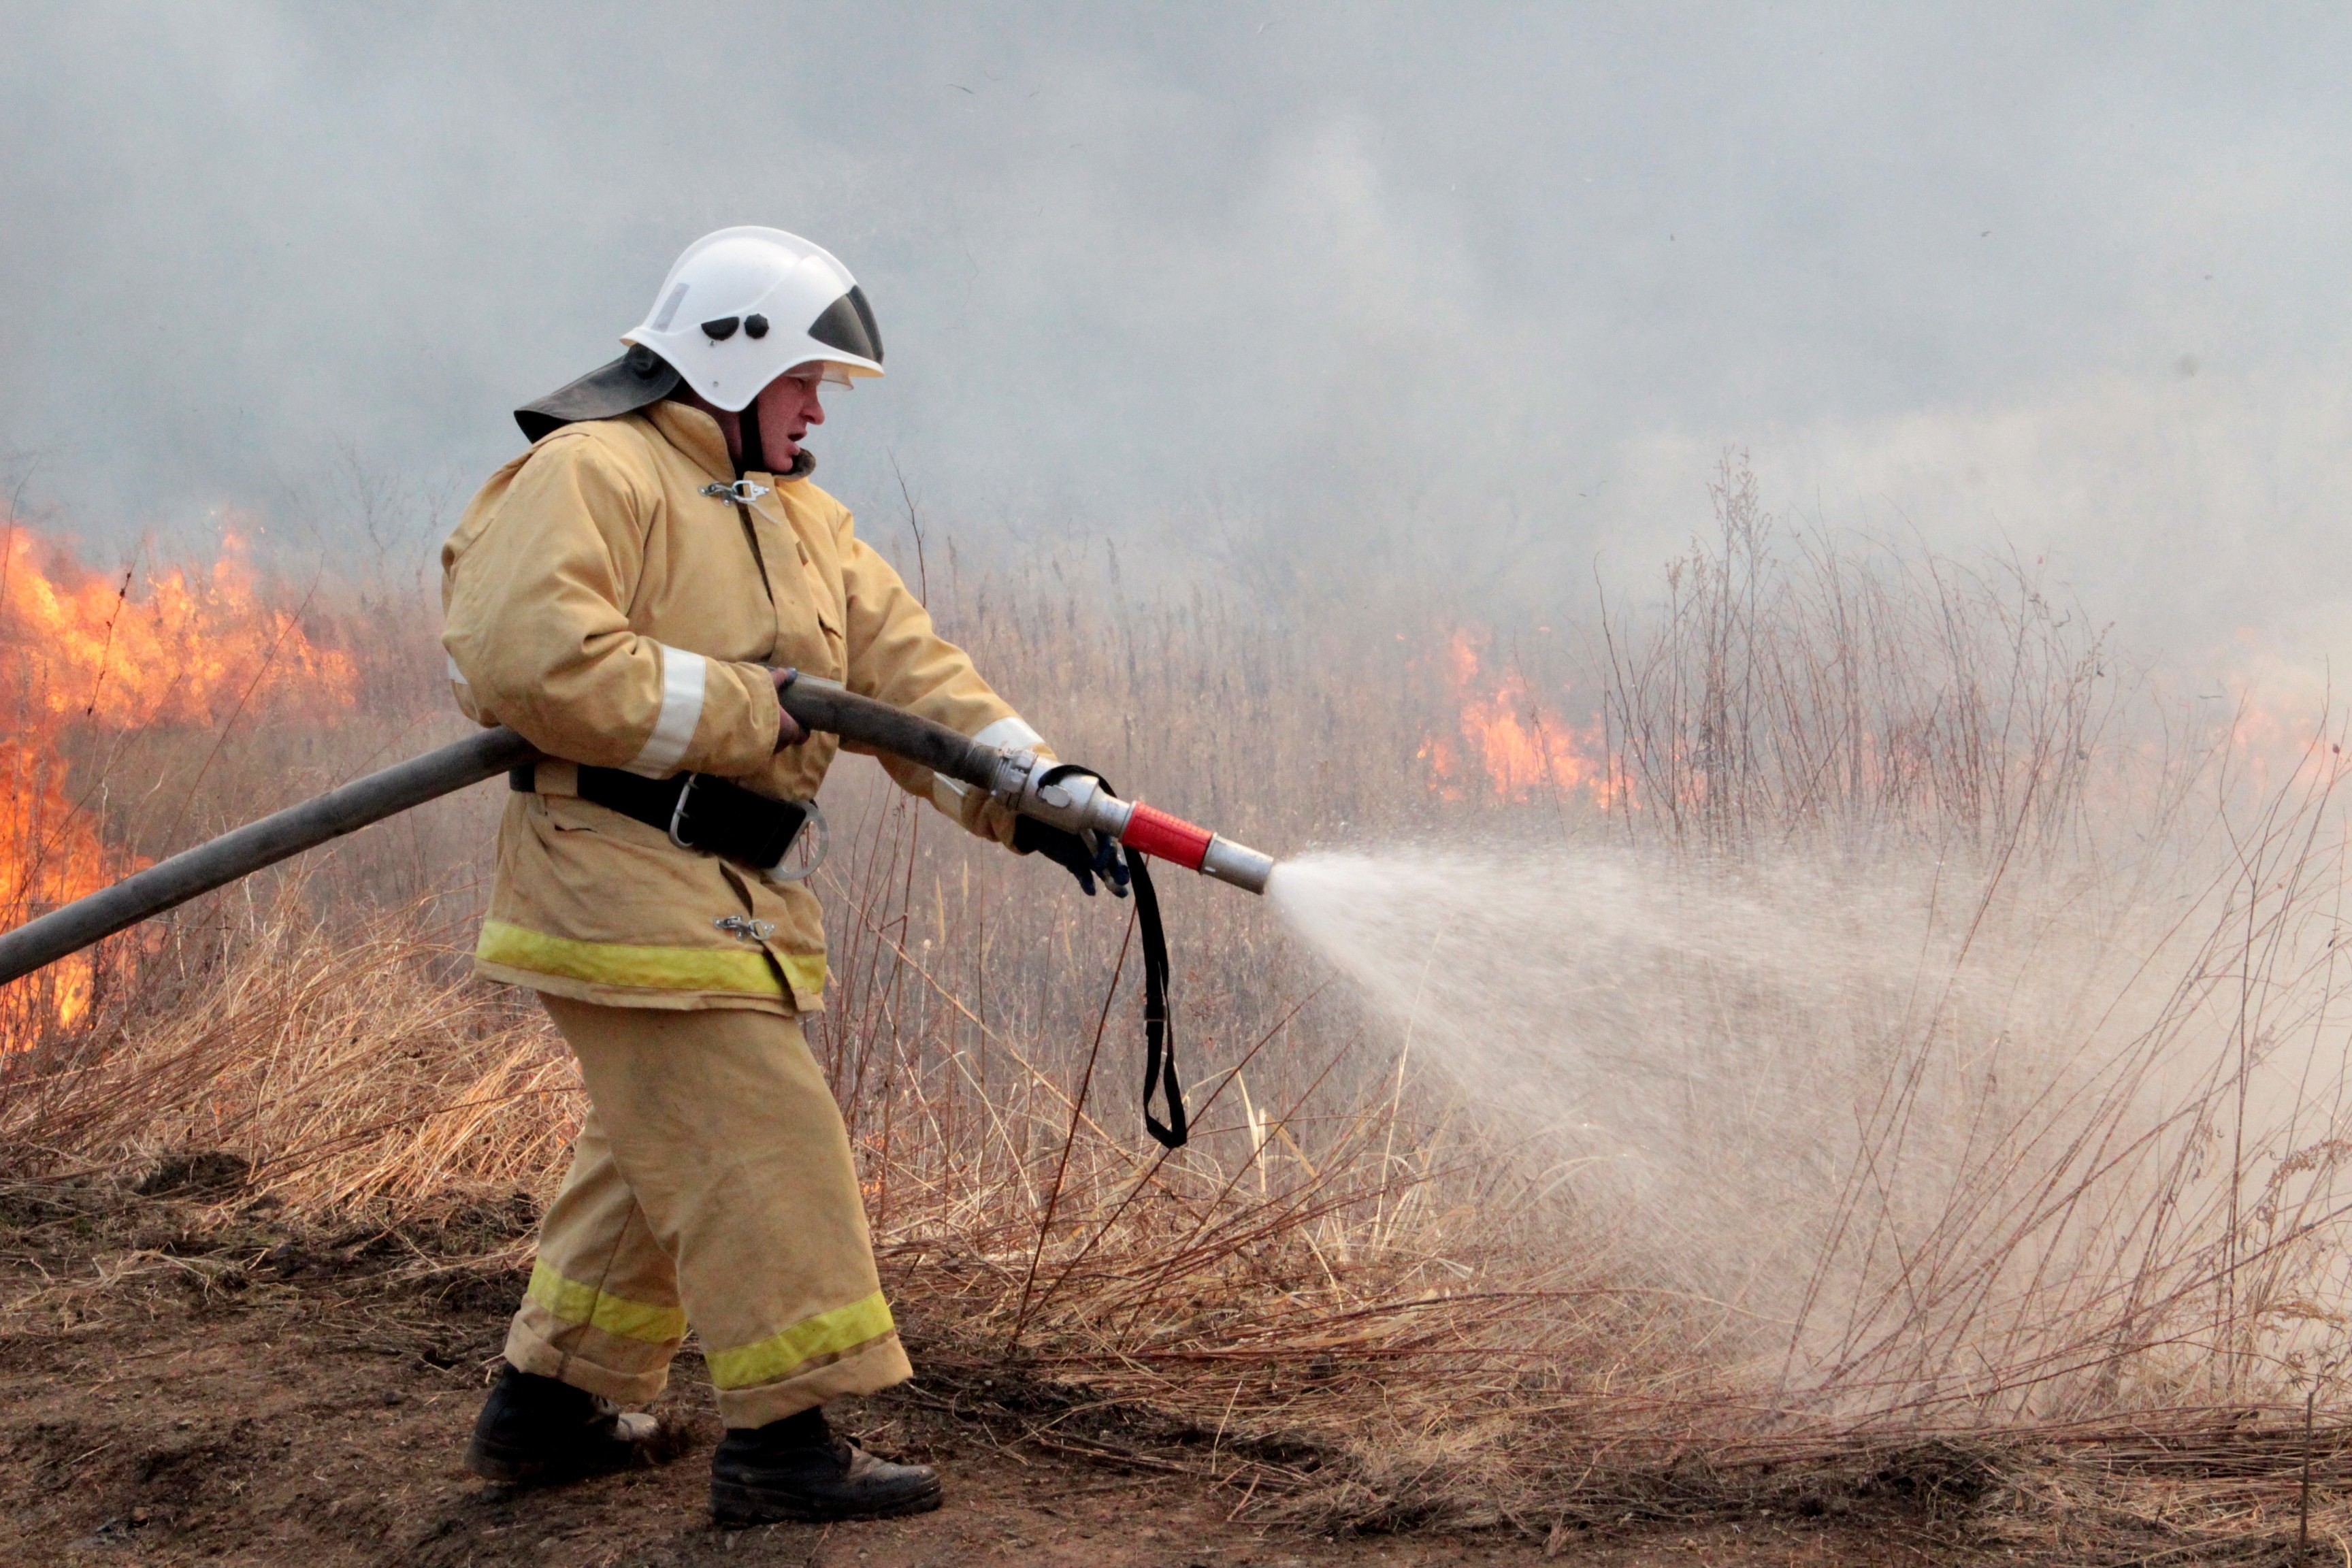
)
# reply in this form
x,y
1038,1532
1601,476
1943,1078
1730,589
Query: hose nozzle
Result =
x,y
1080,804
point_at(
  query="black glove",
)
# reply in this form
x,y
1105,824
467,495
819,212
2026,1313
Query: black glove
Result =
x,y
1084,856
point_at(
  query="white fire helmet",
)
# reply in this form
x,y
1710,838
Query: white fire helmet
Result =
x,y
744,305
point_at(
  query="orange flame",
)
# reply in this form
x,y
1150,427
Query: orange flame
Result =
x,y
2283,722
87,655
1513,745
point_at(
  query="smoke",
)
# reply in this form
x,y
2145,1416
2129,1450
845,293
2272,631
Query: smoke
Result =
x,y
1289,294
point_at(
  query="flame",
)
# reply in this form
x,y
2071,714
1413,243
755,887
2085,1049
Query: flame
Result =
x,y
2281,716
88,655
1512,744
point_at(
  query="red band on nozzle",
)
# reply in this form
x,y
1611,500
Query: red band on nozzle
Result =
x,y
1166,837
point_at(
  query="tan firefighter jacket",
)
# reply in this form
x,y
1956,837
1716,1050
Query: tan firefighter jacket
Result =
x,y
599,601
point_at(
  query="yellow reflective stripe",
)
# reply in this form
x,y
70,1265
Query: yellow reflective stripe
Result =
x,y
616,964
617,1315
776,1358
805,971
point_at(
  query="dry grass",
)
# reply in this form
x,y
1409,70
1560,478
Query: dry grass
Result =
x,y
1359,1297
346,1067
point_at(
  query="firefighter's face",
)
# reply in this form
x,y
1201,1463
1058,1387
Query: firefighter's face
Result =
x,y
787,409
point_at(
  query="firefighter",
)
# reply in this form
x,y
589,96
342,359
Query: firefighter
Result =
x,y
629,595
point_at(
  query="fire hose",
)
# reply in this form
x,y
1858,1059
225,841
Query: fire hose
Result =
x,y
1027,783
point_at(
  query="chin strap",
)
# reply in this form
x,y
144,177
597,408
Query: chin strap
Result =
x,y
754,458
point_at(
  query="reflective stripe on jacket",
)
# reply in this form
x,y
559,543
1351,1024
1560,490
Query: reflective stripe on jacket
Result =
x,y
598,601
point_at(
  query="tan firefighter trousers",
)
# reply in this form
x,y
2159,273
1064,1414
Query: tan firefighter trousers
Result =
x,y
711,1185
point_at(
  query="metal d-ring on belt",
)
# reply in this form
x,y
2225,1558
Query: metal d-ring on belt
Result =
x,y
702,811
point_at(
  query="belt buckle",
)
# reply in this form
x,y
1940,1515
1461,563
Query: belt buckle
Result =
x,y
678,812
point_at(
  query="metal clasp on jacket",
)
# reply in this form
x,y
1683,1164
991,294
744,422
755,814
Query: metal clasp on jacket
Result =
x,y
746,926
741,490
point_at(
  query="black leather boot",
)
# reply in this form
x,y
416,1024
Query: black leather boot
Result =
x,y
535,1429
799,1469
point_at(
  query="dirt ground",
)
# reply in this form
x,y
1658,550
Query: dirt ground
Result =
x,y
235,1397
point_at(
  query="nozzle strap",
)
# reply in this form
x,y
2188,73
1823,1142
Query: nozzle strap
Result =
x,y
1159,1030
1160,1075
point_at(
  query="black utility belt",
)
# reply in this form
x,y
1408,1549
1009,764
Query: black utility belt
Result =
x,y
701,811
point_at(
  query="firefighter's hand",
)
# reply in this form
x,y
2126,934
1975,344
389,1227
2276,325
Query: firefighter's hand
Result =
x,y
788,729
1084,856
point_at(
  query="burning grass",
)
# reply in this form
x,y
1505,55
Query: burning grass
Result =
x,y
1374,1292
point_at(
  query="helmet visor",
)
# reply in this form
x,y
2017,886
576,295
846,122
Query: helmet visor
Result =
x,y
824,371
847,324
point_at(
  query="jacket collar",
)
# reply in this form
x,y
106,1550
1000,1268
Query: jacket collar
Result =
x,y
697,434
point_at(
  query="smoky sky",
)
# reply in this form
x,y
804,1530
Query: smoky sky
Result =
x,y
1471,295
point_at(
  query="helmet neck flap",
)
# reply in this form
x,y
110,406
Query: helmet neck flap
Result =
x,y
630,382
